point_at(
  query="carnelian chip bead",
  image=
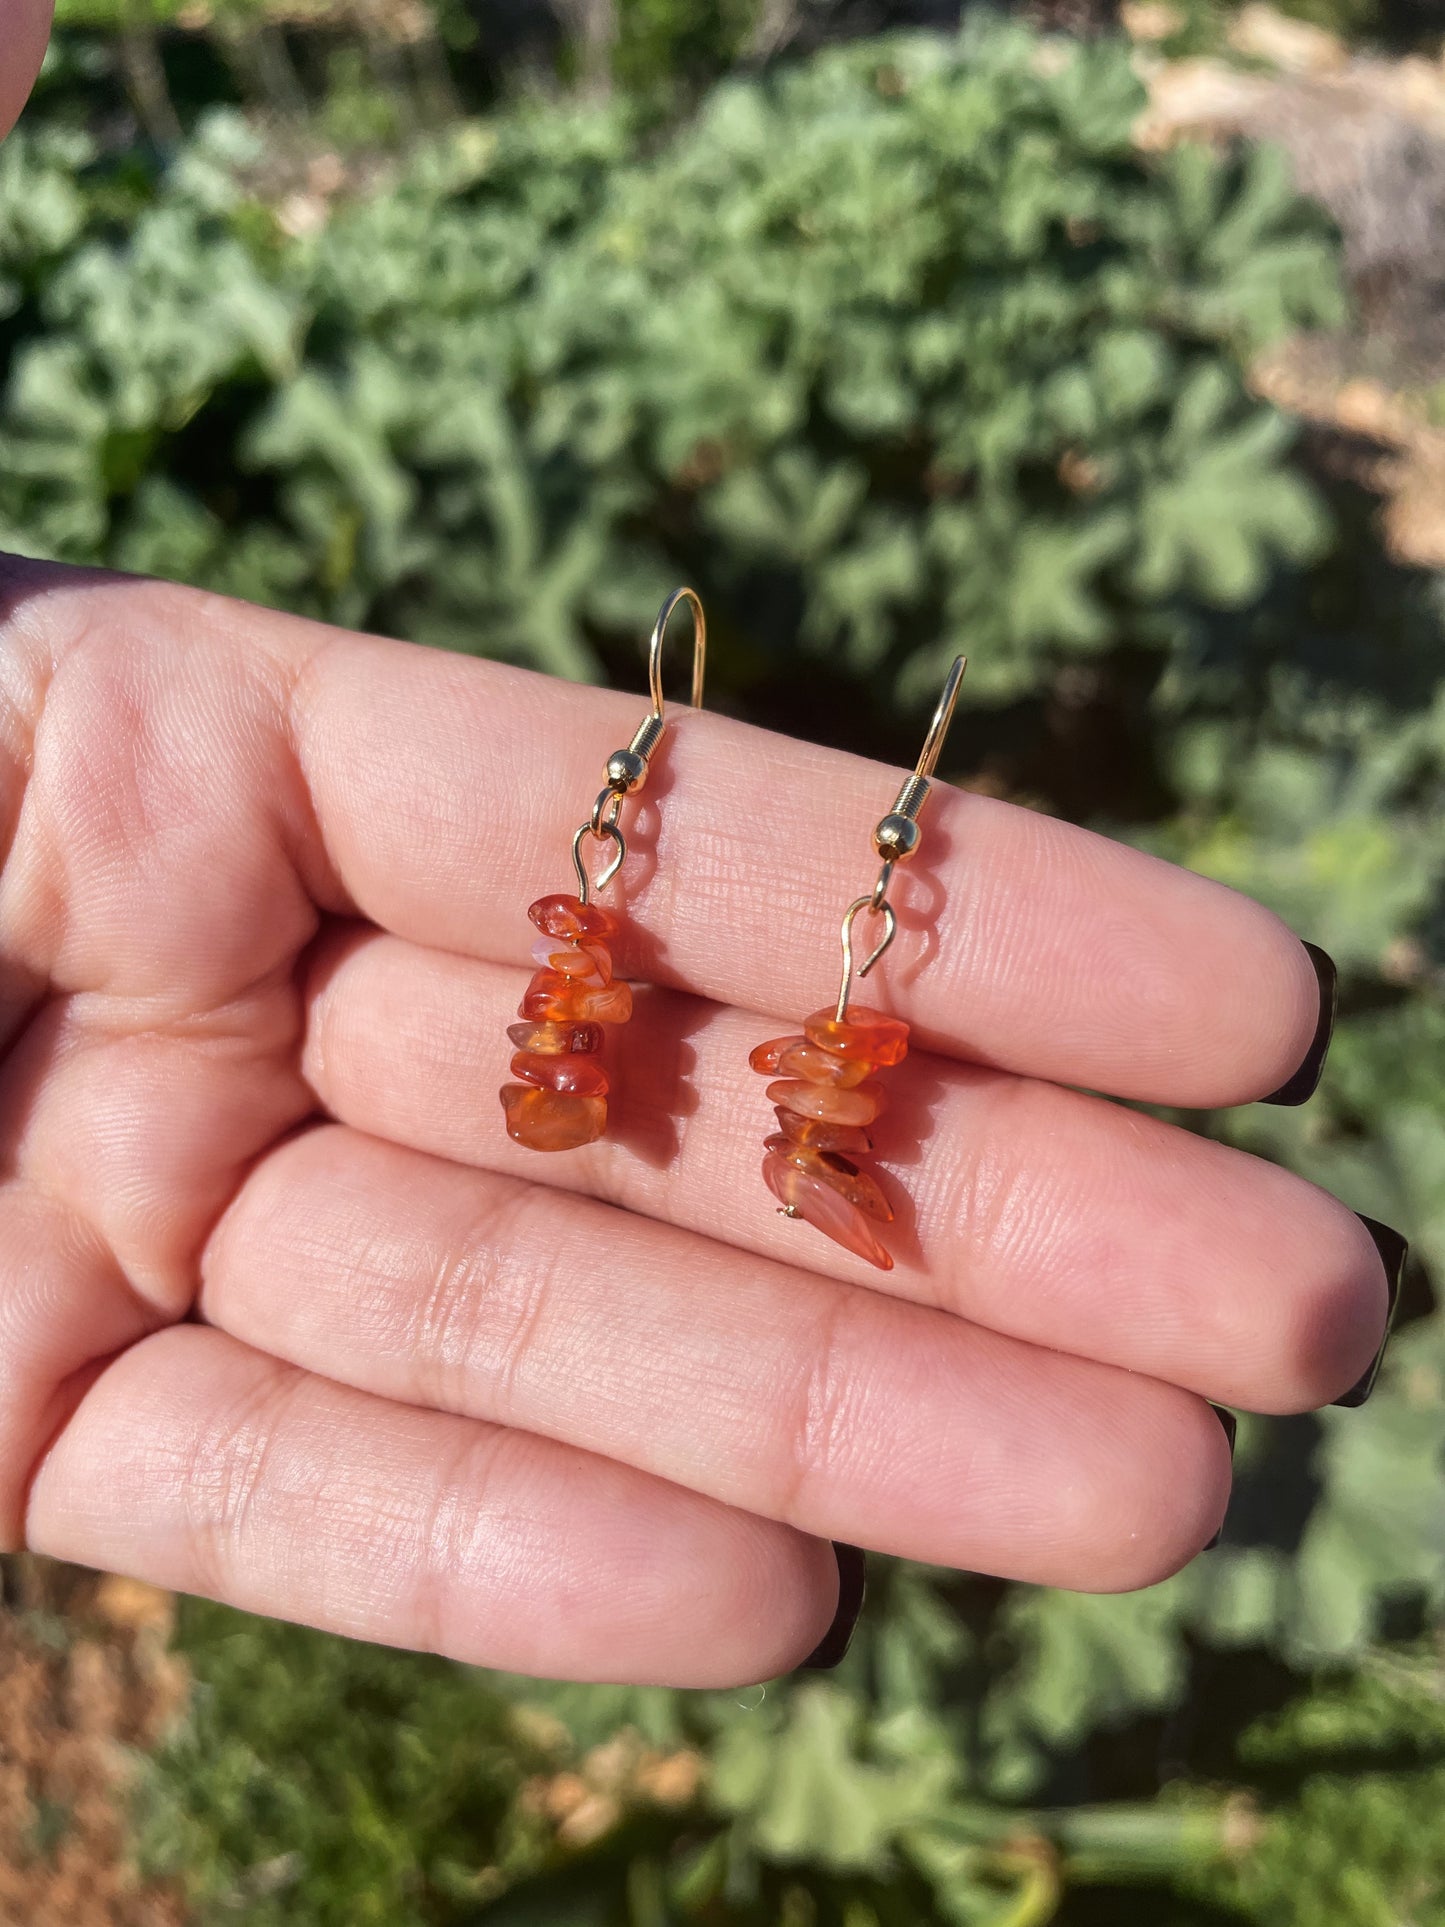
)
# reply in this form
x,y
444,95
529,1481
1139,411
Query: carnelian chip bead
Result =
x,y
552,996
579,1075
766,1058
556,998
825,1208
851,1140
797,1057
591,960
863,1033
858,1106
552,1120
818,1066
572,919
844,1176
548,1039
606,1003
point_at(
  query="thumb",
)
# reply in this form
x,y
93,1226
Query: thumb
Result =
x,y
24,30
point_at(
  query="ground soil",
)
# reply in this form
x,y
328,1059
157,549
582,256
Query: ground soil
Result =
x,y
87,1685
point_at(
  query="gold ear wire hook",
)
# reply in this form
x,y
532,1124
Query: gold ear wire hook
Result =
x,y
699,648
942,717
627,768
898,836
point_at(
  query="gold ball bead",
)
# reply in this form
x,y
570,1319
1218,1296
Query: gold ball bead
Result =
x,y
626,771
896,837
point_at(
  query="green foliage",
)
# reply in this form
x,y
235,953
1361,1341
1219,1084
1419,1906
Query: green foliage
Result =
x,y
901,349
315,1781
661,42
910,331
326,1782
1354,1776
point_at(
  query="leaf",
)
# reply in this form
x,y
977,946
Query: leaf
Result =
x,y
1088,1660
802,1793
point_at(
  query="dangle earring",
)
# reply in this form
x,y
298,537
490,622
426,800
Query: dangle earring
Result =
x,y
559,1099
824,1095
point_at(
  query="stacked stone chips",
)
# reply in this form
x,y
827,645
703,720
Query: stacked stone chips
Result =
x,y
559,1100
826,1099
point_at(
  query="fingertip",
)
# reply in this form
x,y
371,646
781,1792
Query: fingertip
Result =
x,y
24,31
1267,1028
1326,1320
777,1602
1150,1512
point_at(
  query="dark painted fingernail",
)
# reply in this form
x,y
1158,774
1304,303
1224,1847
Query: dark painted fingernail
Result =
x,y
1306,1079
1231,1427
852,1585
1393,1250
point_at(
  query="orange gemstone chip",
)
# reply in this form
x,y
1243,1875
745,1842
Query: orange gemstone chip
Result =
x,y
551,1040
767,1058
850,1139
591,960
858,1106
572,919
863,1033
818,1066
557,999
579,1075
552,1120
844,1176
796,1057
812,1198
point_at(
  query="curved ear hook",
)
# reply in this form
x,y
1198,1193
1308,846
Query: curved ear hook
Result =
x,y
942,717
627,768
897,838
699,649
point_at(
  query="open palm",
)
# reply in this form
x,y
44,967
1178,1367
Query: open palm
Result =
x,y
286,1318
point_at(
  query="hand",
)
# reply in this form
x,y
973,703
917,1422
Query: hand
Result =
x,y
286,1318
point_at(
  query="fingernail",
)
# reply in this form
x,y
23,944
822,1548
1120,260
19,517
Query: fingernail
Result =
x,y
1231,1427
1393,1250
852,1584
1306,1079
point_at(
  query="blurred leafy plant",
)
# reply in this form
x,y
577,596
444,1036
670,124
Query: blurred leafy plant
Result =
x,y
909,330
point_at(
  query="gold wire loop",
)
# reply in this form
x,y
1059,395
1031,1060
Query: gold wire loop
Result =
x,y
699,648
890,931
585,886
605,812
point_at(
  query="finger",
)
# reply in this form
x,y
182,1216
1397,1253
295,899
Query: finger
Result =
x,y
64,1303
445,791
199,1464
145,1135
24,30
830,1407
1041,1212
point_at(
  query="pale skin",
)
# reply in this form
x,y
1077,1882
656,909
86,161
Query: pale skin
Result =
x,y
285,1318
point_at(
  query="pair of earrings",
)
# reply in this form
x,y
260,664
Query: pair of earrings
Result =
x,y
823,1083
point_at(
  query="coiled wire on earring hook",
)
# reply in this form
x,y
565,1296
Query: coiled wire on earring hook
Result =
x,y
896,838
627,769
